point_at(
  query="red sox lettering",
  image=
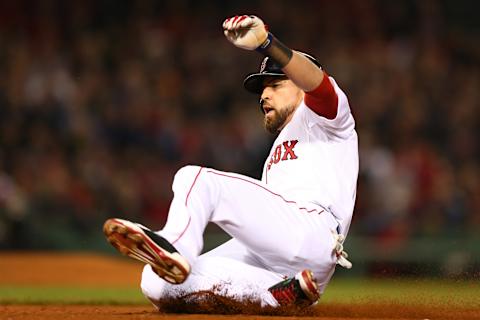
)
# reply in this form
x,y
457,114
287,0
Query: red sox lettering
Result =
x,y
282,152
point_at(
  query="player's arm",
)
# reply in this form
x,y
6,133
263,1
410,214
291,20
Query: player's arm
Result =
x,y
320,96
303,72
250,33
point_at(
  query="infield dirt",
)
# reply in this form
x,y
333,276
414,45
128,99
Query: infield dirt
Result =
x,y
87,270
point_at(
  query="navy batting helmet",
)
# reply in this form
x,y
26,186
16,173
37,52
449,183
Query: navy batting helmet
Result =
x,y
268,68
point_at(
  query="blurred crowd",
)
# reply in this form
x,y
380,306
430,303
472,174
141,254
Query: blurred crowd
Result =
x,y
102,101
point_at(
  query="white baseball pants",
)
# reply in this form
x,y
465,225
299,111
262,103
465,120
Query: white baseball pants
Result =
x,y
273,236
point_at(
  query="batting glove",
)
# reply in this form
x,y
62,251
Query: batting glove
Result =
x,y
246,32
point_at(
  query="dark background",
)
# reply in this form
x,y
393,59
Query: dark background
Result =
x,y
102,101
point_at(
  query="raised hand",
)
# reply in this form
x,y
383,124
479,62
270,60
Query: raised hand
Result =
x,y
246,32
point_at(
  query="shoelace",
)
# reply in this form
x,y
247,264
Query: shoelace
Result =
x,y
341,254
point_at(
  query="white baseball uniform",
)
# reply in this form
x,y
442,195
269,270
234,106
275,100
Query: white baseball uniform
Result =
x,y
280,225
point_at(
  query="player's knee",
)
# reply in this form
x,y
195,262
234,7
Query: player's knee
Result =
x,y
185,176
187,170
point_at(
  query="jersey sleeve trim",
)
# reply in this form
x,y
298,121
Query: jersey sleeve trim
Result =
x,y
323,100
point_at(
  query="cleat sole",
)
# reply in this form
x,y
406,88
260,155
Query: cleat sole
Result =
x,y
131,241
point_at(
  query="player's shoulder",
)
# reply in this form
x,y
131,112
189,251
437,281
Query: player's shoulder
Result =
x,y
342,125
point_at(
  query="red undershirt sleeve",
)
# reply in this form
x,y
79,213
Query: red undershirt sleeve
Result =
x,y
323,100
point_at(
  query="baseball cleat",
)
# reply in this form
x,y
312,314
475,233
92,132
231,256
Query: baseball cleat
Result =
x,y
300,290
140,243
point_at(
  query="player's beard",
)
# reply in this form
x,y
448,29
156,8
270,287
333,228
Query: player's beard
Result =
x,y
275,123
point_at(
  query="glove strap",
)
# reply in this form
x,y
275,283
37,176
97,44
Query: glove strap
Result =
x,y
276,50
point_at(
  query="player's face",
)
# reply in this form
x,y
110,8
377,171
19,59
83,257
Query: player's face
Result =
x,y
280,98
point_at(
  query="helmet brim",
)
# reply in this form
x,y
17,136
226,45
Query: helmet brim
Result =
x,y
254,81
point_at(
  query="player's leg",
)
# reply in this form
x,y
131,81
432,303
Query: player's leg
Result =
x,y
235,250
219,275
231,270
267,223
283,235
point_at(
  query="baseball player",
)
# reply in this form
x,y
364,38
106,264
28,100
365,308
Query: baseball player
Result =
x,y
287,229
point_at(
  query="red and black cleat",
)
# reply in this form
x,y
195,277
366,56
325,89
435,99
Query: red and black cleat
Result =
x,y
300,290
140,243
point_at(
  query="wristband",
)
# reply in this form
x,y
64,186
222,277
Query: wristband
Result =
x,y
276,50
266,44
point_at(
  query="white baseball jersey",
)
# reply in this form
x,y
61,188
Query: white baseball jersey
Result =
x,y
315,160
